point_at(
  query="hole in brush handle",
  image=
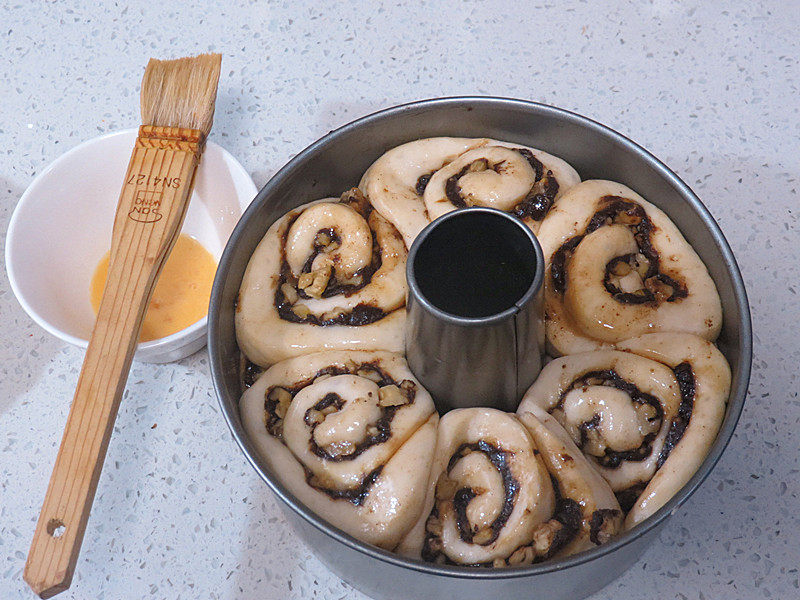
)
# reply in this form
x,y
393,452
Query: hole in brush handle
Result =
x,y
56,528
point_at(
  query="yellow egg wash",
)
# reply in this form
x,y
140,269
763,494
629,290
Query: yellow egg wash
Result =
x,y
182,291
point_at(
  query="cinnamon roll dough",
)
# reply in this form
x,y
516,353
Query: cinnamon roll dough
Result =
x,y
417,182
350,434
509,177
600,514
492,501
617,407
616,268
327,275
393,186
704,377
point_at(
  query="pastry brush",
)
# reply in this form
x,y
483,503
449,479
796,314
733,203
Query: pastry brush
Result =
x,y
177,104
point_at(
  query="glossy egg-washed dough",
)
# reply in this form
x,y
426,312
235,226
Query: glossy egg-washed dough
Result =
x,y
280,315
409,184
645,415
350,434
594,298
605,437
507,490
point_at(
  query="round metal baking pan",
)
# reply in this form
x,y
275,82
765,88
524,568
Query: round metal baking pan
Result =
x,y
336,163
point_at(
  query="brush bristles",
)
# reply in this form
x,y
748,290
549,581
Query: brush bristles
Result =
x,y
181,93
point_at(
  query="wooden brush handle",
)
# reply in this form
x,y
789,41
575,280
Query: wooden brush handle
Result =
x,y
151,208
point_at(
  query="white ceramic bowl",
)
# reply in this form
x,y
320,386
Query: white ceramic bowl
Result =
x,y
62,224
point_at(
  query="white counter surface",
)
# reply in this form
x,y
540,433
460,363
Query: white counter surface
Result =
x,y
179,513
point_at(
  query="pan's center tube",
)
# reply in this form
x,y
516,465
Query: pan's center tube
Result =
x,y
474,329
474,265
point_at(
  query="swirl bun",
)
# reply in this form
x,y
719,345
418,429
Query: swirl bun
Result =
x,y
509,177
497,498
327,275
704,378
617,267
600,513
617,408
417,182
351,434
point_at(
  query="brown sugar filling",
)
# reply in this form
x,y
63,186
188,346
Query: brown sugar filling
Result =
x,y
536,203
612,458
278,398
288,291
657,287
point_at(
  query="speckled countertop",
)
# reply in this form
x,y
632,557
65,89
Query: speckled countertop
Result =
x,y
179,513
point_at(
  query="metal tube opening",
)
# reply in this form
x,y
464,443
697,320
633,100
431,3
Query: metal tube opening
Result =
x,y
475,263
